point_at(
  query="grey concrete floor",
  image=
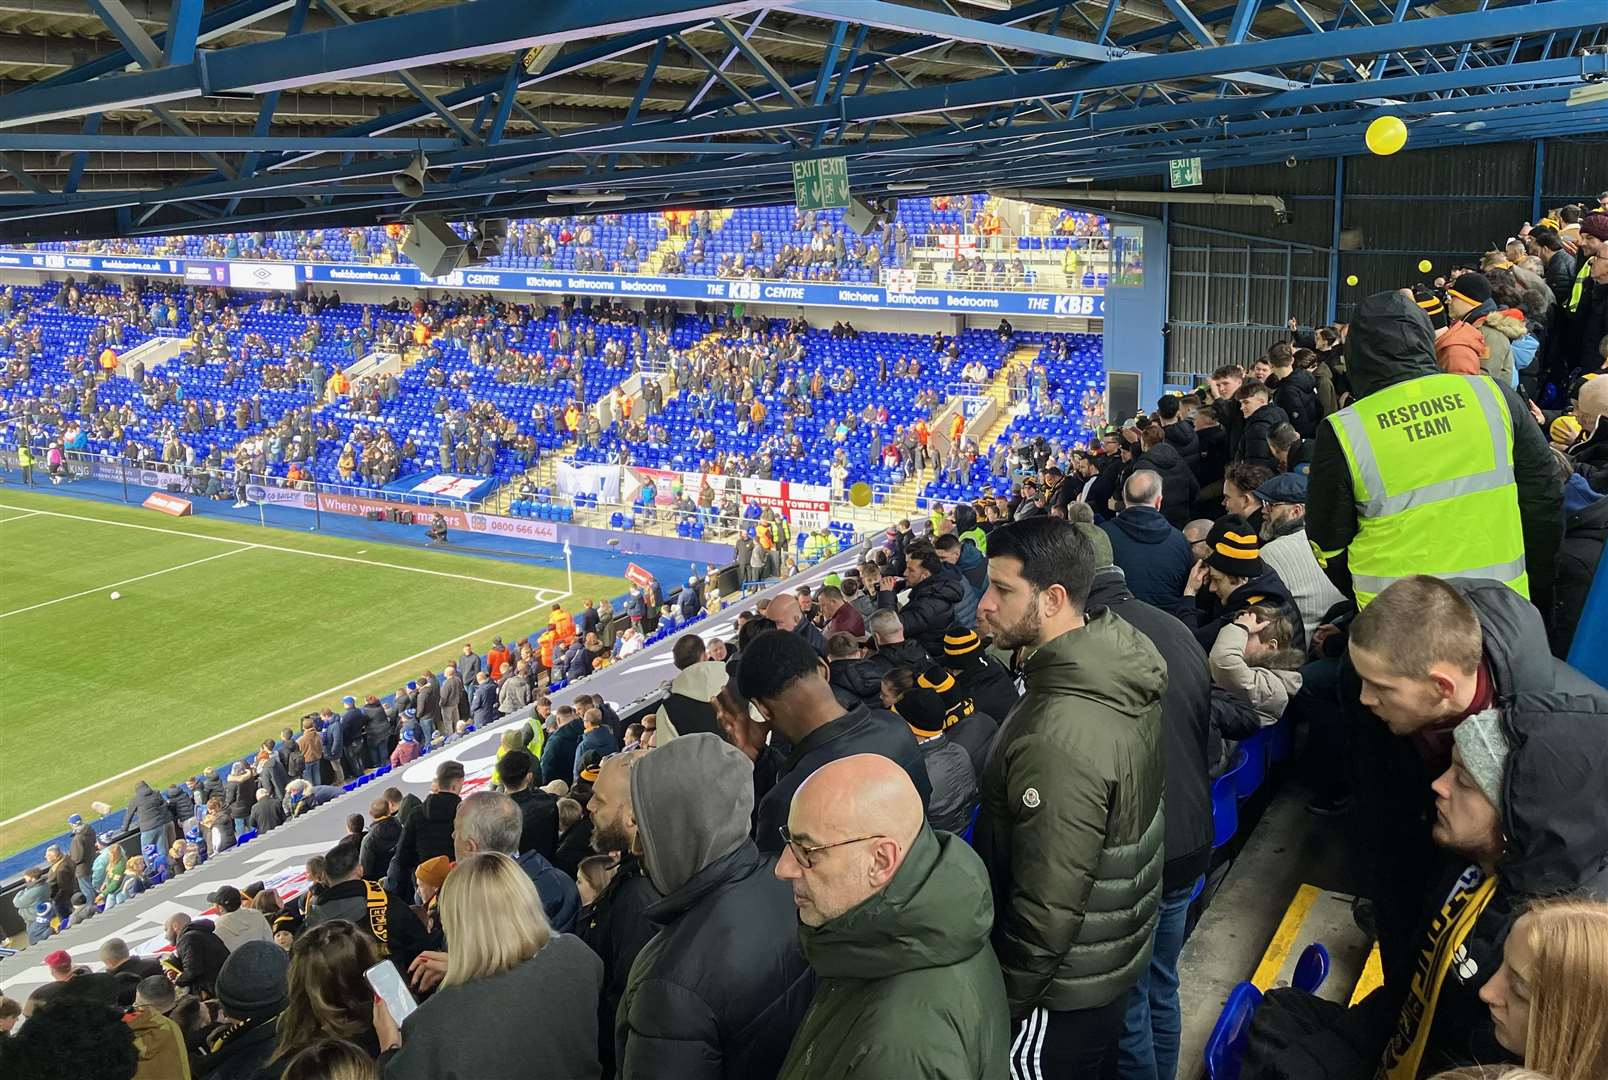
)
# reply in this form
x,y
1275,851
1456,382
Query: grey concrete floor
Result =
x,y
1288,848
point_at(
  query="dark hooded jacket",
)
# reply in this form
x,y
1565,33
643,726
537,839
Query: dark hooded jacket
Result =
x,y
989,684
1153,554
147,810
200,954
1178,484
616,927
1185,727
930,608
1182,438
1584,535
1252,445
908,985
425,835
1071,824
720,990
907,653
856,682
1556,722
1297,395
1391,341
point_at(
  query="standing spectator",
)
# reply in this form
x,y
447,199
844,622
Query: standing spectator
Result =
x,y
428,705
1071,824
1261,417
1153,554
378,733
786,613
454,705
354,735
502,958
148,812
935,589
616,924
927,998
558,753
595,737
379,846
689,706
267,814
428,832
81,852
721,989
115,958
538,809
483,701
382,915
311,745
514,694
240,795
780,675
491,821
253,990
949,767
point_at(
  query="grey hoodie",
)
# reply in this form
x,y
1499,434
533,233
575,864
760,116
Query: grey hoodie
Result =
x,y
694,799
701,682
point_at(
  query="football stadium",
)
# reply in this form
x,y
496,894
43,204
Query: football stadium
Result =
x,y
811,539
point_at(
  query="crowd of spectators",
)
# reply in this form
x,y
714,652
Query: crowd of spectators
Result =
x,y
910,821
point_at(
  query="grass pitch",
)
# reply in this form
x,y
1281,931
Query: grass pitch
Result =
x,y
223,634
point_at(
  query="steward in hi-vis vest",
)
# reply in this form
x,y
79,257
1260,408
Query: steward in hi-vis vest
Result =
x,y
1428,472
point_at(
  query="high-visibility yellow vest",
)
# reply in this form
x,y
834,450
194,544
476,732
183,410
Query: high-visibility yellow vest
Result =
x,y
1582,276
1431,464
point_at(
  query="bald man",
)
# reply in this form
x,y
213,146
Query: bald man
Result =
x,y
785,612
895,922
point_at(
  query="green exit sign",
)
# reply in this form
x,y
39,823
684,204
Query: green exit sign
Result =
x,y
1184,172
821,184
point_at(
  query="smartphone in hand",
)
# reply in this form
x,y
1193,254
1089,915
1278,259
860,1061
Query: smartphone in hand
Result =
x,y
387,983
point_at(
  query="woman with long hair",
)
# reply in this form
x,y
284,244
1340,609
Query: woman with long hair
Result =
x,y
329,997
331,1059
1549,999
507,974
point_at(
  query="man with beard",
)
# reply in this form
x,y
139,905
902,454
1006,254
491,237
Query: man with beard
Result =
x,y
615,924
1071,820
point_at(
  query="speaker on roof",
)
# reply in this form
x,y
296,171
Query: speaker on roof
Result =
x,y
432,246
410,181
486,240
860,215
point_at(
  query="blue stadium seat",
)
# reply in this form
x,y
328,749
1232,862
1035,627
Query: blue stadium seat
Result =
x,y
1225,1049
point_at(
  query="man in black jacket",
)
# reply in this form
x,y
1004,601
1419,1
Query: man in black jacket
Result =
x,y
935,589
379,733
889,648
1231,578
855,680
1390,341
722,988
364,903
1179,432
1150,1039
381,840
616,924
1261,417
354,738
198,953
427,833
785,612
538,808
782,677
979,676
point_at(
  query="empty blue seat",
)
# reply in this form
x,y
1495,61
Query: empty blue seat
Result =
x,y
1225,1049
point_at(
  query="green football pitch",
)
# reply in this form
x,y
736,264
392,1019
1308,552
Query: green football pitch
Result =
x,y
223,633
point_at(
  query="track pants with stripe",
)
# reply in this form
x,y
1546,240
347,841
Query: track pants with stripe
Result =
x,y
1076,1045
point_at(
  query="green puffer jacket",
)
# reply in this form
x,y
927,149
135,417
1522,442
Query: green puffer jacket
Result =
x,y
906,984
1071,822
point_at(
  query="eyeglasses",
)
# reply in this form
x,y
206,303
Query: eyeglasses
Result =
x,y
805,854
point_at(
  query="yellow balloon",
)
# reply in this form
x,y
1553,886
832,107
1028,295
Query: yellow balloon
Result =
x,y
1351,279
860,494
1386,135
1425,266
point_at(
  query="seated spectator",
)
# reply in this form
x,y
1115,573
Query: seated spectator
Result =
x,y
237,922
501,958
781,676
722,988
979,677
1252,660
1234,577
929,1001
491,821
935,590
383,915
327,994
1153,555
253,990
949,766
115,958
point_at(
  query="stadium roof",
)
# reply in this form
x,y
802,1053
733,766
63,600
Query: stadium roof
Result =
x,y
125,117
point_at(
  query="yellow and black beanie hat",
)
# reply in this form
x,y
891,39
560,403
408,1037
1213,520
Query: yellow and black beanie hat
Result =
x,y
961,646
940,682
923,710
1236,549
1430,302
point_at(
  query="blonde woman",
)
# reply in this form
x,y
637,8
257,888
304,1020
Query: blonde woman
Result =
x,y
507,975
331,1059
1549,999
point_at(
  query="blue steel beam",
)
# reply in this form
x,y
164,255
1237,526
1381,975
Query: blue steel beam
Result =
x,y
759,63
230,17
75,172
184,25
377,45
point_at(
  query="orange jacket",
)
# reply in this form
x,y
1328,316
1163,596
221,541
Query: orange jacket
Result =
x,y
563,624
922,432
545,646
1461,349
495,659
957,430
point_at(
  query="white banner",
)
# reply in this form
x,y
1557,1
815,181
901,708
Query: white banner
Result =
x,y
280,277
579,479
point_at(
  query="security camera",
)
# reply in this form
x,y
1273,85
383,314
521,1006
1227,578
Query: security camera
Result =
x,y
1282,217
1290,162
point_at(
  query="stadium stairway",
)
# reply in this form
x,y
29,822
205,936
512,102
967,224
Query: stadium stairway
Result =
x,y
676,242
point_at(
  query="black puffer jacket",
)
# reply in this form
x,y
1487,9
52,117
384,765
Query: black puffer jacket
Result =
x,y
1557,843
616,927
1185,727
1297,395
856,682
1583,538
1178,484
721,989
1252,445
989,684
425,835
1182,438
147,810
200,954
930,608
1391,341
910,654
